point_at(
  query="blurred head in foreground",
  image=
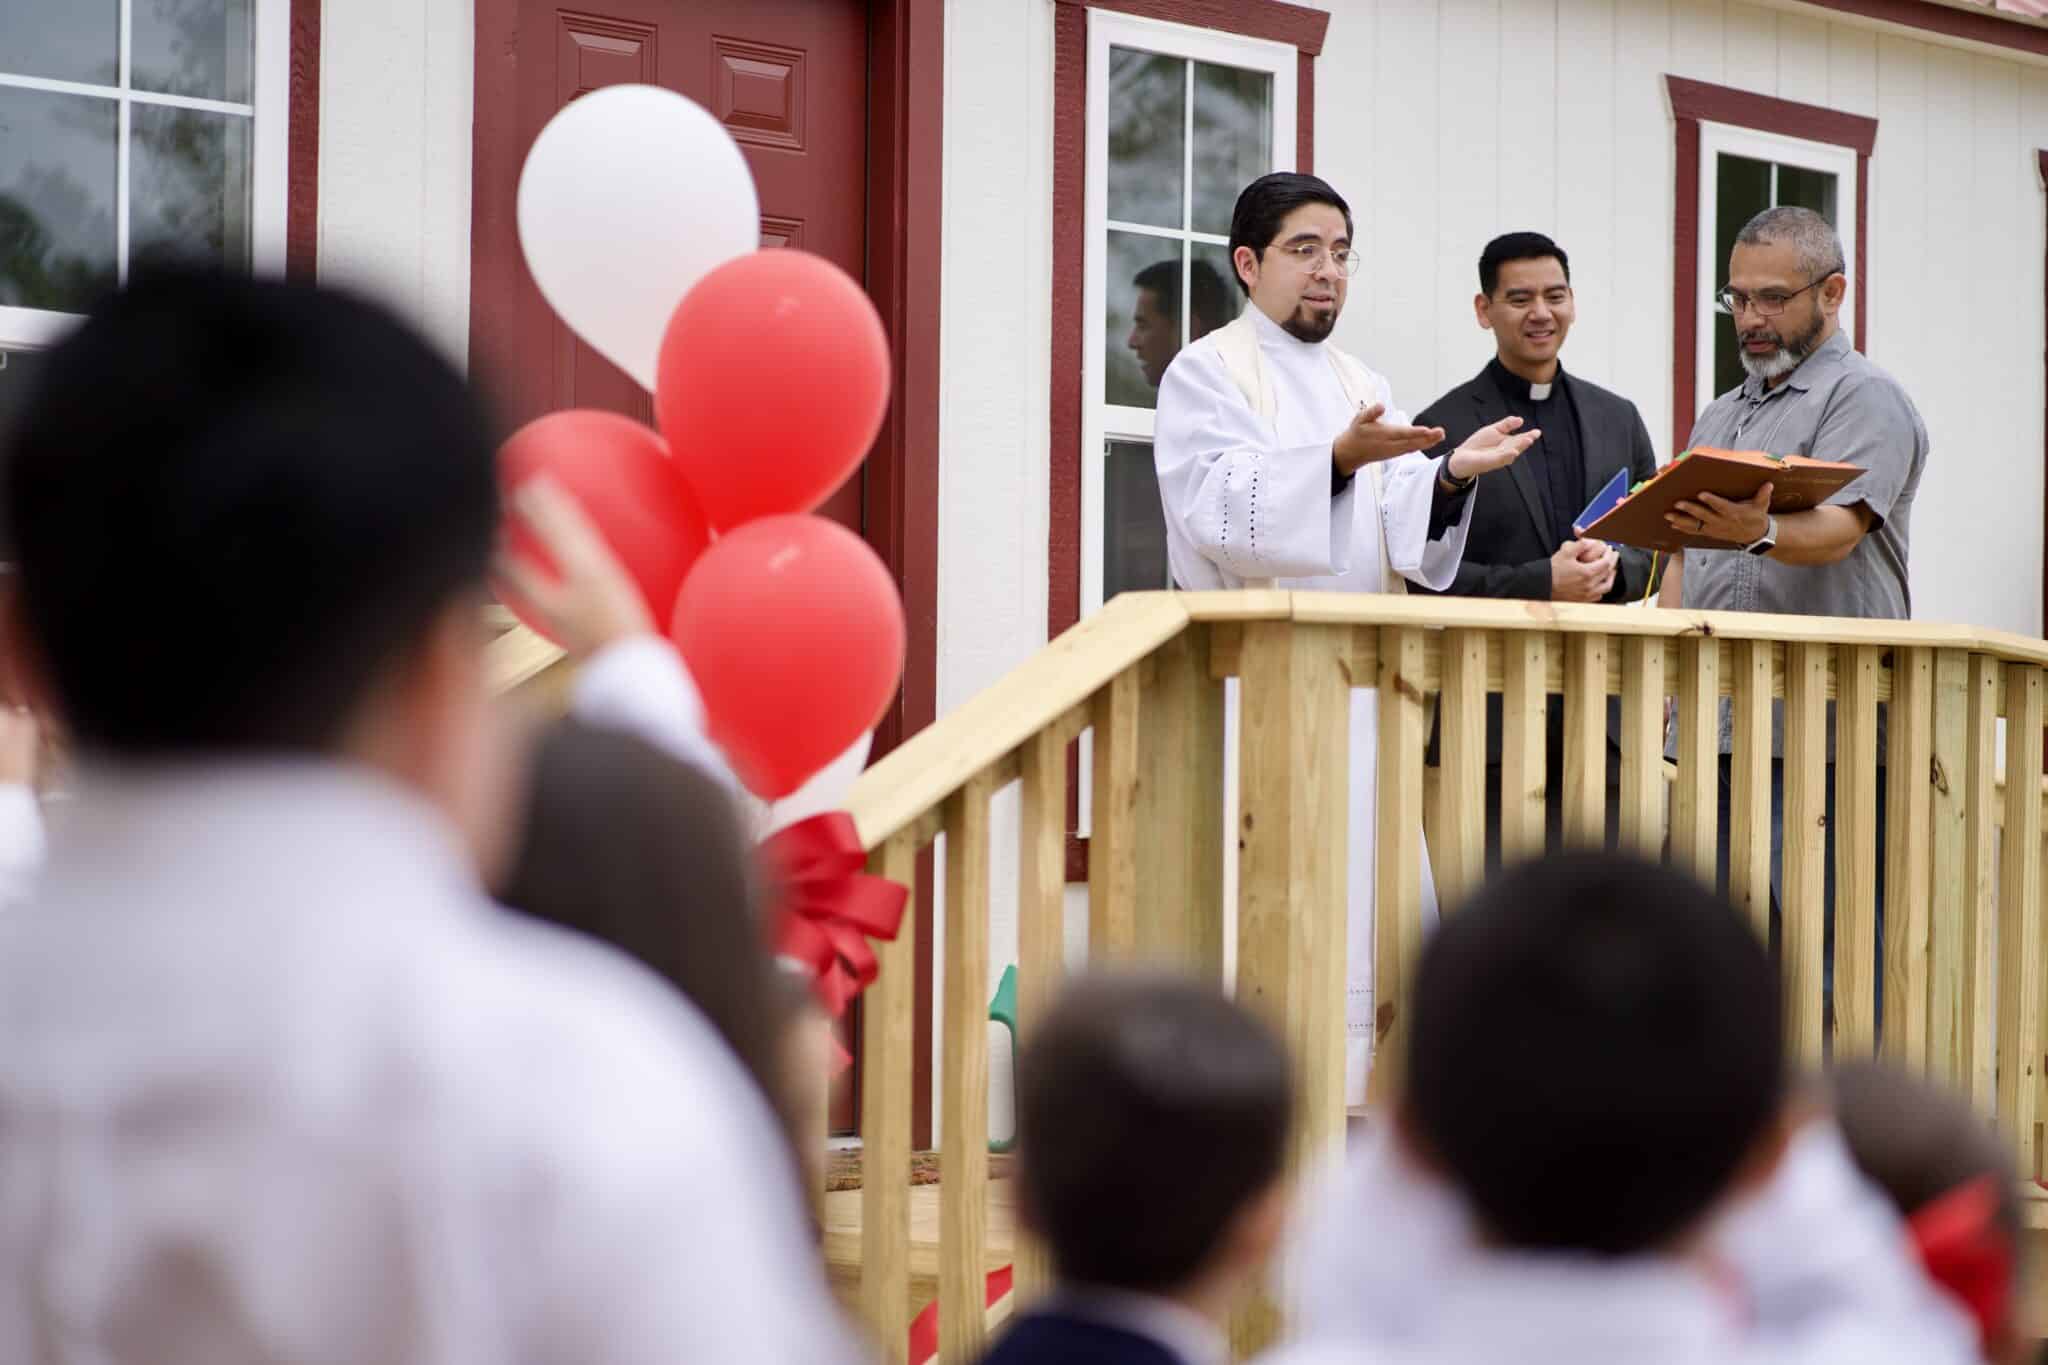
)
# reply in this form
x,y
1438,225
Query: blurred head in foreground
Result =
x,y
1595,1057
1152,1122
253,519
1952,1180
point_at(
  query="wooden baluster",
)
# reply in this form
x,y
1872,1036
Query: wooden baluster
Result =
x,y
2019,915
1695,797
1180,810
1585,740
1856,670
1397,897
1749,832
1525,702
963,1143
1946,1027
1041,938
888,1028
1979,1078
1294,765
1642,746
1910,723
1458,847
1113,821
1800,958
1293,804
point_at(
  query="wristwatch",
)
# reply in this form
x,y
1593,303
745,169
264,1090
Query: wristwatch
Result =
x,y
1766,542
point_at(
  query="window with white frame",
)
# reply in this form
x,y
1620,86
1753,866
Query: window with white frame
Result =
x,y
1179,120
1743,172
133,131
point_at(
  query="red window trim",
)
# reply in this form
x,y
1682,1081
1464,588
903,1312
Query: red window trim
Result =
x,y
302,146
1977,26
1268,19
2041,162
1696,102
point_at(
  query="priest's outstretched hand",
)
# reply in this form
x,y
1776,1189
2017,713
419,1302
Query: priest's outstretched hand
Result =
x,y
1490,448
1368,440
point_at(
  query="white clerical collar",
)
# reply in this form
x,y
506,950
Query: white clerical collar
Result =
x,y
1272,331
1539,392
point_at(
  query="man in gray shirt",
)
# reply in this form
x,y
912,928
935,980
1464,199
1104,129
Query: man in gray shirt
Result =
x,y
1808,392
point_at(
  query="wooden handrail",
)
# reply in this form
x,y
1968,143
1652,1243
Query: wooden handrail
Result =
x,y
916,777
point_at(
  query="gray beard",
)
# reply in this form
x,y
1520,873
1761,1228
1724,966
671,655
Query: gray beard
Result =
x,y
1781,362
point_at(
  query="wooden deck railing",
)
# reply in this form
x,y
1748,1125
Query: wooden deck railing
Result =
x,y
1963,943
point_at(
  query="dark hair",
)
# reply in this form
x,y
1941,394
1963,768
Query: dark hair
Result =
x,y
1264,205
1207,298
234,504
1517,246
631,845
1917,1141
1150,1111
1595,1049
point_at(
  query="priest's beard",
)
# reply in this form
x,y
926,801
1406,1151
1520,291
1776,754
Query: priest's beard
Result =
x,y
1781,362
1312,327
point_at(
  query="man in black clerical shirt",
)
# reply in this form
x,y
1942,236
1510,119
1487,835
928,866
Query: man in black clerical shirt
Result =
x,y
1521,542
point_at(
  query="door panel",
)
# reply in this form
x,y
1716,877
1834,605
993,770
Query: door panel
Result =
x,y
787,78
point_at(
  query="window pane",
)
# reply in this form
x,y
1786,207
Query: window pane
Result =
x,y
1806,189
192,47
188,187
1133,524
18,370
1233,139
1147,138
1742,190
56,199
1213,296
65,40
1141,317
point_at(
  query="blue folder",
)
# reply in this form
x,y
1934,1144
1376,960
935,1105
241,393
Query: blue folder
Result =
x,y
1603,502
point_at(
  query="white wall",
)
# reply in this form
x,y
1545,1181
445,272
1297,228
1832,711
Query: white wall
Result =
x,y
395,100
1447,121
995,335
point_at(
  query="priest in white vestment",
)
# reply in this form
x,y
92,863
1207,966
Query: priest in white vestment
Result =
x,y
1284,463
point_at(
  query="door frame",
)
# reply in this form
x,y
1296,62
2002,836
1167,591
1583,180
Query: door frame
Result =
x,y
900,494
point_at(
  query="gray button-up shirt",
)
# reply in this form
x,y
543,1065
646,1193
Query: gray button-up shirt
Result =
x,y
1837,405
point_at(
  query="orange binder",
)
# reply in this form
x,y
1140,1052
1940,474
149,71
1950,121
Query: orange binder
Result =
x,y
1797,483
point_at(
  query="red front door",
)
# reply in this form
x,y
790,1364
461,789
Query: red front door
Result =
x,y
787,78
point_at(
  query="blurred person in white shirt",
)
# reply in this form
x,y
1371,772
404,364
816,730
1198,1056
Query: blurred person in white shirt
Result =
x,y
279,1082
1597,1158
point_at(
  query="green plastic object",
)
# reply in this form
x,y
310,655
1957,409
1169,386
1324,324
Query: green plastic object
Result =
x,y
1003,1010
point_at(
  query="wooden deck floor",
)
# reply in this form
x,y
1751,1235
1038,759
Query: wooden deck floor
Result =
x,y
842,1239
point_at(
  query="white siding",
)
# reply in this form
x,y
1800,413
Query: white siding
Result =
x,y
395,100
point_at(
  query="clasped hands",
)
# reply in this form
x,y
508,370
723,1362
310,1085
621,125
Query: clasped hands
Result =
x,y
1368,440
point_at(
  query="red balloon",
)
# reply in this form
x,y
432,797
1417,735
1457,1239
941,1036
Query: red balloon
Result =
x,y
794,632
773,380
621,474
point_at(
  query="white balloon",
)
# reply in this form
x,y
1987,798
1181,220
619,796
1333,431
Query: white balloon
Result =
x,y
630,195
825,789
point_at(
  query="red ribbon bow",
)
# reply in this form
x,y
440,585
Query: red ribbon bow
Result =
x,y
831,906
1966,1252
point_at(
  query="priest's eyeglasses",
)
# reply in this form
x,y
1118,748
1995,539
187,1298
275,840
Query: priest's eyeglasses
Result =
x,y
1310,256
1765,303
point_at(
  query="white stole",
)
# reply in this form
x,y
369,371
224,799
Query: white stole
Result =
x,y
1237,346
